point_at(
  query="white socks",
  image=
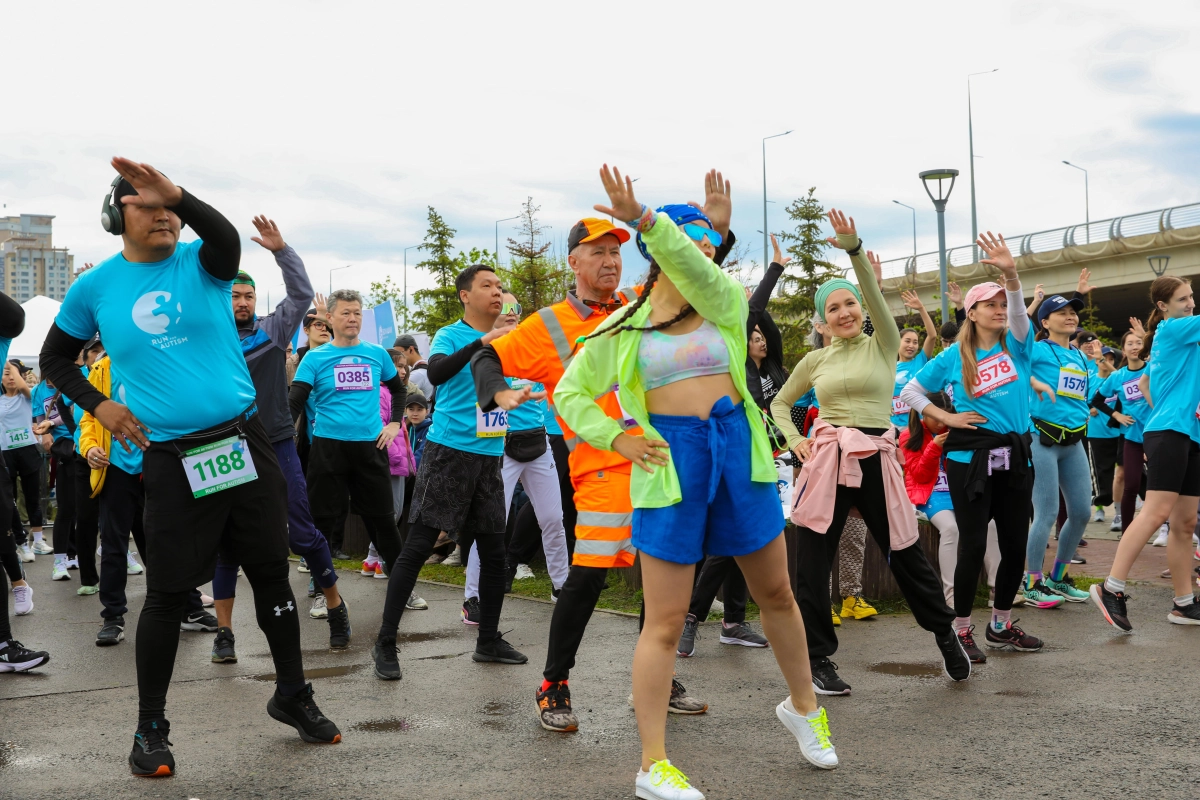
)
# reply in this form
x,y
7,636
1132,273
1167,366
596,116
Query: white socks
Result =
x,y
1114,585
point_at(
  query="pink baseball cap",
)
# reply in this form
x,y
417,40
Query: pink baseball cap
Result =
x,y
981,291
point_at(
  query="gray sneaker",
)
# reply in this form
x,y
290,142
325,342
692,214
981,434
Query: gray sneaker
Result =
x,y
416,603
742,634
687,641
681,702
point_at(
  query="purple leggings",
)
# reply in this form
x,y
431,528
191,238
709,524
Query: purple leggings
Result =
x,y
303,537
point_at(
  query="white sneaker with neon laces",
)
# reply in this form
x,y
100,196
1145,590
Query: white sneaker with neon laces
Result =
x,y
59,572
132,567
664,782
812,731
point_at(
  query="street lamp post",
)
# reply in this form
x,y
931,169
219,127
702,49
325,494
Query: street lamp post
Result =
x,y
971,141
914,216
410,247
506,219
1087,212
335,269
929,177
765,228
1158,264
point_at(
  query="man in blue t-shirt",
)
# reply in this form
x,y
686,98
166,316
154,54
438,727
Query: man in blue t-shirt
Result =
x,y
459,488
212,481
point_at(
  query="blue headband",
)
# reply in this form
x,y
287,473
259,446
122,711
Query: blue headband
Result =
x,y
680,214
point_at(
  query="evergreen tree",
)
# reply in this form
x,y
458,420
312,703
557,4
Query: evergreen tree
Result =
x,y
1089,318
438,306
535,277
793,307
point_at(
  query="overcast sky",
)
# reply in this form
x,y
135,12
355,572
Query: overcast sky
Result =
x,y
343,121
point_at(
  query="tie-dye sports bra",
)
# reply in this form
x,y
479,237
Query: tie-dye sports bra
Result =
x,y
664,359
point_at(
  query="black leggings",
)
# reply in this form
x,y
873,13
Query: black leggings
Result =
x,y
402,577
7,546
714,572
87,522
64,495
158,635
576,602
1009,505
1135,469
24,464
921,586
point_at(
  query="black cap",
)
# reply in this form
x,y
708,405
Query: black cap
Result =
x,y
416,399
404,341
92,342
1085,336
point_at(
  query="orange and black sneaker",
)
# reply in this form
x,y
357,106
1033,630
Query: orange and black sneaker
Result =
x,y
554,708
151,756
301,713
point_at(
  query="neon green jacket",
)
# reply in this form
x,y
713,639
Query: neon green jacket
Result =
x,y
608,362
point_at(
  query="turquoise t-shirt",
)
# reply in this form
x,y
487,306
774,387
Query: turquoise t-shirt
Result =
x,y
1098,427
1065,371
1123,385
43,395
126,462
169,328
1001,391
527,416
457,420
905,371
345,392
1175,377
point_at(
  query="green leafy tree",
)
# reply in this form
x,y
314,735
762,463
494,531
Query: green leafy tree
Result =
x,y
385,290
437,306
805,243
535,276
1089,318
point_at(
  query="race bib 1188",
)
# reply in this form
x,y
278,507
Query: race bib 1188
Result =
x,y
221,465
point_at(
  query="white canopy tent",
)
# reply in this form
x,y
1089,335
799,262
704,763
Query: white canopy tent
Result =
x,y
39,316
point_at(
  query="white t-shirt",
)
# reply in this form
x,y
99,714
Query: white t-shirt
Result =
x,y
16,422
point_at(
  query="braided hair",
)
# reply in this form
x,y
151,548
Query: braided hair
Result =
x,y
613,330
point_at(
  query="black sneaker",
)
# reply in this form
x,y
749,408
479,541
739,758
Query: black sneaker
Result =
x,y
967,637
1185,615
687,641
223,651
954,657
470,611
301,713
15,657
825,678
112,632
742,634
498,650
1011,637
151,755
339,627
339,555
202,621
1111,605
387,666
554,708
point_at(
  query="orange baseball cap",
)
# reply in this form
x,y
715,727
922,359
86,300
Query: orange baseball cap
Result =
x,y
590,229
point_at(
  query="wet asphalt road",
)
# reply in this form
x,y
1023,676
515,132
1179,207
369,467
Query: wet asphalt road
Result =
x,y
1096,714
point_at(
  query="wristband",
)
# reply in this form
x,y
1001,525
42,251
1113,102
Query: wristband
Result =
x,y
857,249
646,222
633,223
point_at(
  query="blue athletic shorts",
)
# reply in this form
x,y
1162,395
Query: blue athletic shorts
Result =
x,y
723,512
938,501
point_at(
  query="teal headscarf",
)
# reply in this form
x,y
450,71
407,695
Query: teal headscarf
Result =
x,y
829,287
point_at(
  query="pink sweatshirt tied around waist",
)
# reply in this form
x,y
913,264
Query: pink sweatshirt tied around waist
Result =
x,y
816,488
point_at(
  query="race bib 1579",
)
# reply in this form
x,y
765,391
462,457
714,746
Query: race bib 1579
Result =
x,y
1072,383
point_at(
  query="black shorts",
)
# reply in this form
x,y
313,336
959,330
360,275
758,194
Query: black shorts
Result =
x,y
459,492
23,460
1120,451
340,472
246,523
1172,463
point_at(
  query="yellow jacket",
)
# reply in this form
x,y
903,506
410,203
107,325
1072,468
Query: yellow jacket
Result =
x,y
91,432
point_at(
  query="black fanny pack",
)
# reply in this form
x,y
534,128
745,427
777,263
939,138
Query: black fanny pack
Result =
x,y
1051,434
525,446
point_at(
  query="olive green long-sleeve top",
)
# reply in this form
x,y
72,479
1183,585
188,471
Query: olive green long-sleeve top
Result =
x,y
854,377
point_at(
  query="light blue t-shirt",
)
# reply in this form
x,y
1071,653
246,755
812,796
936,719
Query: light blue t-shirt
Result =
x,y
1175,377
130,462
1098,427
1003,383
455,418
552,426
4,345
345,393
527,416
169,328
1123,385
905,371
1065,371
43,394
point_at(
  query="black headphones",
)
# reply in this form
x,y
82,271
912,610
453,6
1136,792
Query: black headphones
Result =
x,y
110,214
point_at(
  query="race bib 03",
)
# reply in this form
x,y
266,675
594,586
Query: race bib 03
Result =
x,y
352,378
1132,391
994,372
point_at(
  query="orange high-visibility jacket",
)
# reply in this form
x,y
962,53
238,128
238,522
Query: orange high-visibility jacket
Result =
x,y
539,349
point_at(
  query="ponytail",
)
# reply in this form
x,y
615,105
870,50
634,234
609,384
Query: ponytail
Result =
x,y
1161,291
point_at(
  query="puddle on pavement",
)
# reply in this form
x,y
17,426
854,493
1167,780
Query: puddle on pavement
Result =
x,y
8,753
383,725
1014,693
444,655
417,638
494,708
309,674
905,670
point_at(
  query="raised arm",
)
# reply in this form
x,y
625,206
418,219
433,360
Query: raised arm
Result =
x,y
912,300
762,293
999,257
282,325
886,332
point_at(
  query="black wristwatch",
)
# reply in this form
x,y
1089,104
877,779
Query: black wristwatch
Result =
x,y
857,249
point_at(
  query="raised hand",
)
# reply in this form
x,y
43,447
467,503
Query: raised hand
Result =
x,y
842,225
718,206
1083,286
955,293
154,190
1039,292
998,254
778,257
912,300
876,266
624,206
268,234
319,307
1138,329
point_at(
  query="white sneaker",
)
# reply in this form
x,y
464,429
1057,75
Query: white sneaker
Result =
x,y
523,573
206,601
132,567
664,782
59,573
454,559
41,548
416,603
717,607
22,600
1098,515
318,610
98,553
1161,539
72,563
812,731
1137,504
1116,523
26,553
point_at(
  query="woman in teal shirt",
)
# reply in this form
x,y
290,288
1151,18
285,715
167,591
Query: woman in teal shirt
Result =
x,y
912,356
1124,386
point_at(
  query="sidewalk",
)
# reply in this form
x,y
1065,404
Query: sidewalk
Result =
x,y
1102,548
